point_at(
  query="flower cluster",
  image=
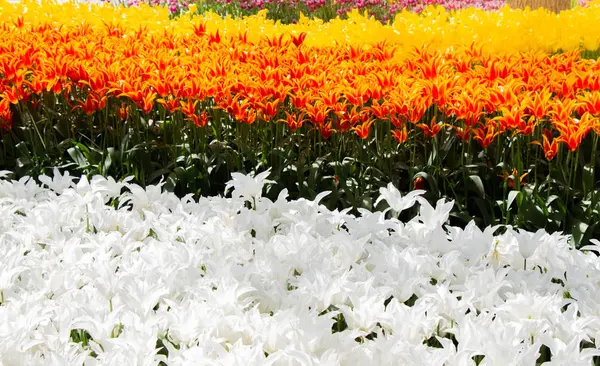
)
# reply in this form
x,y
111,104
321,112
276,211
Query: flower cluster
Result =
x,y
107,272
174,6
502,31
555,99
388,8
420,5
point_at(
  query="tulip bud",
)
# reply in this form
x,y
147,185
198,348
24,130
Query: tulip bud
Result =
x,y
419,183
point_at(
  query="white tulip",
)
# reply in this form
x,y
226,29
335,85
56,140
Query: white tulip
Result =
x,y
394,198
308,286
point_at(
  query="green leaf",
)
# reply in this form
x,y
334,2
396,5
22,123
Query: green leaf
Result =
x,y
534,215
551,200
22,147
502,166
62,127
402,166
78,157
484,210
447,146
87,153
579,230
107,163
511,197
23,162
476,166
171,182
462,216
588,178
478,185
157,174
589,234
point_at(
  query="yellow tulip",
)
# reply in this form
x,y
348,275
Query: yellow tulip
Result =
x,y
503,31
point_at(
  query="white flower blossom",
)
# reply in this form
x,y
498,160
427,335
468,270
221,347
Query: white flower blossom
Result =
x,y
394,198
158,279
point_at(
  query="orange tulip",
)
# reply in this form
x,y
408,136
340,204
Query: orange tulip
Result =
x,y
239,109
299,99
510,178
171,104
511,118
188,108
352,118
439,91
467,107
381,111
147,102
11,95
415,114
91,104
326,130
385,79
299,39
97,83
550,147
400,135
432,129
250,117
419,183
591,103
464,134
294,121
5,115
572,132
363,129
317,113
199,120
124,112
485,135
538,106
268,109
561,111
199,29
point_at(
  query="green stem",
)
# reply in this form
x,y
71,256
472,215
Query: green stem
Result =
x,y
462,168
593,173
412,162
572,165
35,127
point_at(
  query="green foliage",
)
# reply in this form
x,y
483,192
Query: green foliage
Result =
x,y
560,195
288,12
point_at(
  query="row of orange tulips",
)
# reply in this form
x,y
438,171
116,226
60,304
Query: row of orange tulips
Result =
x,y
333,89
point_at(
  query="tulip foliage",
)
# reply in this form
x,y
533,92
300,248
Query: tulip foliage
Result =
x,y
511,137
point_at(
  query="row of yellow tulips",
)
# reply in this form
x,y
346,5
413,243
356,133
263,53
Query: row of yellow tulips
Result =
x,y
502,31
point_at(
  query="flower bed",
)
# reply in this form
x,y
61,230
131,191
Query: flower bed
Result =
x,y
512,137
289,11
125,275
97,271
506,30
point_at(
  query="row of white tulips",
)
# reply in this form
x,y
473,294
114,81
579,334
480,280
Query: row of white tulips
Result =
x,y
100,272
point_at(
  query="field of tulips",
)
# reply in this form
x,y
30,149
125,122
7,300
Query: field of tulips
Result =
x,y
512,138
504,31
207,189
290,11
107,273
